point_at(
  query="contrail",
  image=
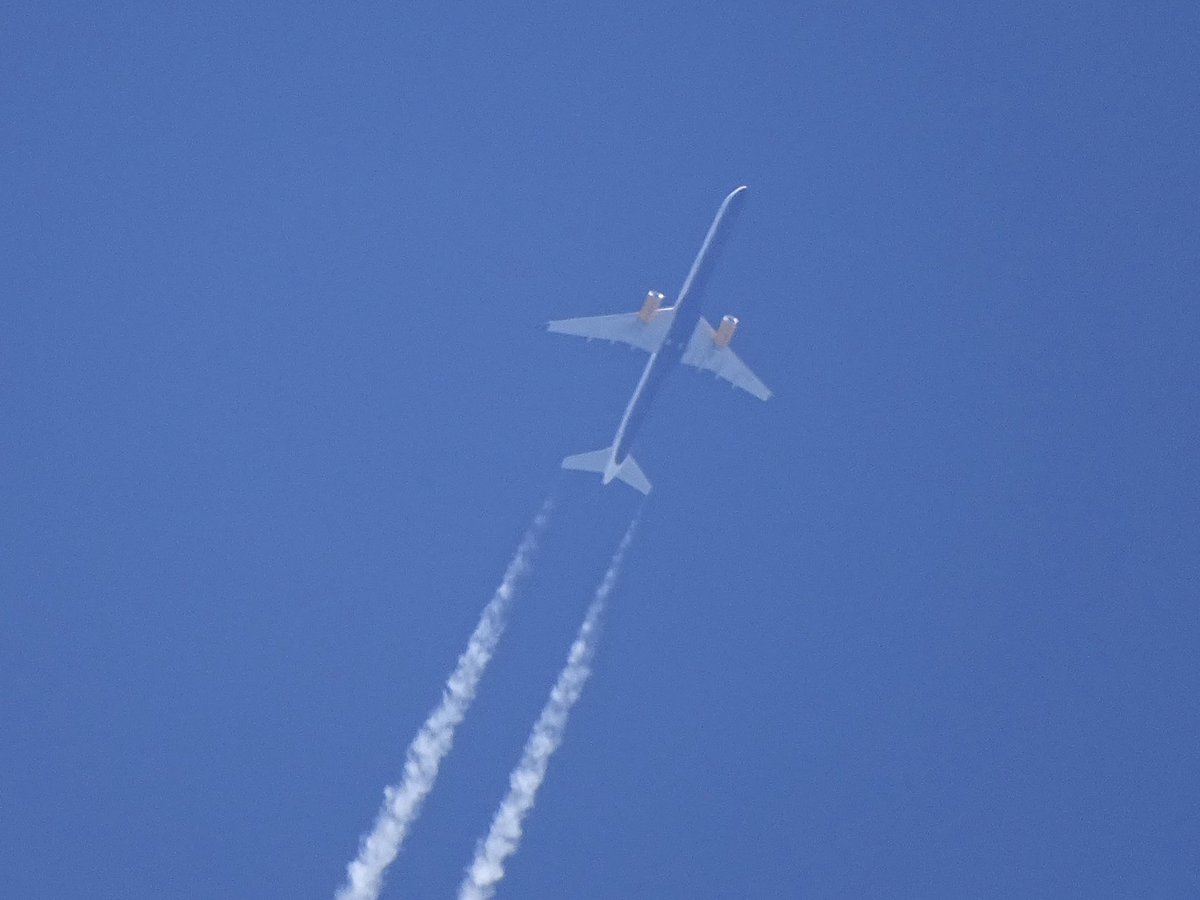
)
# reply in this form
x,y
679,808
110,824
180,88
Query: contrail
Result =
x,y
402,802
504,836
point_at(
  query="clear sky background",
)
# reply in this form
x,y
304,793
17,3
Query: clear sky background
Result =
x,y
276,408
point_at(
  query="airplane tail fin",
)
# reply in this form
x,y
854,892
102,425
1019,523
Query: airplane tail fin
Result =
x,y
597,461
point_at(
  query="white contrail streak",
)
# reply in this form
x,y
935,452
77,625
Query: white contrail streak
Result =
x,y
504,836
402,802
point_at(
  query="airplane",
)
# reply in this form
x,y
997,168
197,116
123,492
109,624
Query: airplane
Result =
x,y
671,335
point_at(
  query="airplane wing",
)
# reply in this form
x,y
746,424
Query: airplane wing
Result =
x,y
628,328
704,353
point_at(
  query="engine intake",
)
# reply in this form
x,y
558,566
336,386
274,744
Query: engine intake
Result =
x,y
724,334
653,301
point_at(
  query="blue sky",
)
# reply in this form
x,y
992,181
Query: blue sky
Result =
x,y
277,410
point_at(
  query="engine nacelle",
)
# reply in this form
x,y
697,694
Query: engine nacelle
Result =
x,y
653,301
724,334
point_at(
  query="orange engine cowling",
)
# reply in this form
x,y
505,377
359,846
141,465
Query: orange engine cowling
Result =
x,y
724,334
653,301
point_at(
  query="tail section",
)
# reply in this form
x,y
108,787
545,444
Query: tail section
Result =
x,y
631,473
599,461
596,461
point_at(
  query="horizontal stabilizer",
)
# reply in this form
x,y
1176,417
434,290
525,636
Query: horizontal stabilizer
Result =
x,y
595,461
631,473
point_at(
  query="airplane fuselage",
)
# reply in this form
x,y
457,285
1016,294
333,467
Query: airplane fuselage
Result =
x,y
668,355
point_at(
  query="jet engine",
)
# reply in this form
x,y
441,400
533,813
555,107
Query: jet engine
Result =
x,y
650,306
724,334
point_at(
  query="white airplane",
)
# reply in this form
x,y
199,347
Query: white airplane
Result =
x,y
671,335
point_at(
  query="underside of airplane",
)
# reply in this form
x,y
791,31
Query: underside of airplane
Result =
x,y
671,335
